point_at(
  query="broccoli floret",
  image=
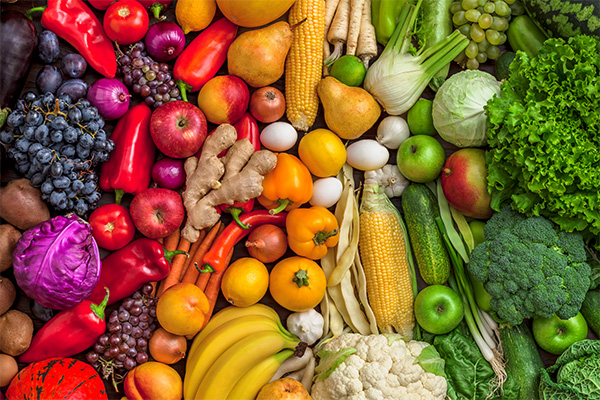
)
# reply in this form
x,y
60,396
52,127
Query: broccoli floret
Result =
x,y
530,268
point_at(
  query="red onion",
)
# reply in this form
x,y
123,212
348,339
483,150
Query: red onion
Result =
x,y
168,173
165,40
110,97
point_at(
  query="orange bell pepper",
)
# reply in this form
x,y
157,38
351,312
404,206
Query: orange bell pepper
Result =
x,y
311,231
286,187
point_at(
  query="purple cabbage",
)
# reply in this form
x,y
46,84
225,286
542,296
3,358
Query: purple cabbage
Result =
x,y
57,263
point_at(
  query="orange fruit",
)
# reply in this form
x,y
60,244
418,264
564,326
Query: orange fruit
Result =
x,y
323,152
182,309
253,13
245,282
195,15
297,283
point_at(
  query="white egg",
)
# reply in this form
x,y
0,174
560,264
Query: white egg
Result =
x,y
279,136
367,155
326,192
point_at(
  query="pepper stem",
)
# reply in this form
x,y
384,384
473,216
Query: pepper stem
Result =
x,y
301,278
321,237
119,195
35,9
235,213
170,254
98,309
183,88
156,9
283,203
206,268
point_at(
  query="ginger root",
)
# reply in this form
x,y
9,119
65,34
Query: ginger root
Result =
x,y
212,181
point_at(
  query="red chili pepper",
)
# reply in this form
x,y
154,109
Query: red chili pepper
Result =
x,y
69,332
203,57
214,259
156,7
129,168
128,269
75,22
246,128
112,226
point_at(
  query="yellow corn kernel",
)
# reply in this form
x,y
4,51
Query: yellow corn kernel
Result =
x,y
304,63
389,272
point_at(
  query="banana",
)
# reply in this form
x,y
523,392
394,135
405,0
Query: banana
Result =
x,y
218,342
249,385
239,359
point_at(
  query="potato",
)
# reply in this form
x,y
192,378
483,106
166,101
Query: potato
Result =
x,y
8,369
8,294
9,236
21,204
16,331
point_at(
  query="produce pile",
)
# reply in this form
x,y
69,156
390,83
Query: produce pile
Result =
x,y
301,199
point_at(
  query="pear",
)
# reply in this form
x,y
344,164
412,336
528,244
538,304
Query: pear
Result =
x,y
258,56
349,111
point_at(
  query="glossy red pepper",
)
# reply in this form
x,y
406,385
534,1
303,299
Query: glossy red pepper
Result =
x,y
69,332
156,7
112,226
75,22
100,4
246,128
129,168
203,57
215,259
126,270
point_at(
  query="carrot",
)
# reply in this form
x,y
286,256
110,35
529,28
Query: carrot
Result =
x,y
176,266
338,31
191,275
214,287
354,26
171,241
193,249
367,41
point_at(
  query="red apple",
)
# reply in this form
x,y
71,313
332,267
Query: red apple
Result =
x,y
178,129
157,212
224,99
464,182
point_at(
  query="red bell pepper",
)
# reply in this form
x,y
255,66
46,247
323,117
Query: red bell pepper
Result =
x,y
129,168
128,269
69,332
156,7
112,226
246,128
215,259
75,22
203,57
100,4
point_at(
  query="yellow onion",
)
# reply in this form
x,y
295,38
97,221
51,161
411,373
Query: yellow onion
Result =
x,y
166,347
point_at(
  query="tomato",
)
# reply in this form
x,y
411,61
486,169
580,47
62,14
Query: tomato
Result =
x,y
126,21
112,226
267,104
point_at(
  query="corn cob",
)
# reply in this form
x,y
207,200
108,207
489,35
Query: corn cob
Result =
x,y
304,62
385,255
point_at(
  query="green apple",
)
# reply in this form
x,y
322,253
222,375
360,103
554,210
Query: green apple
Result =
x,y
555,335
438,309
420,158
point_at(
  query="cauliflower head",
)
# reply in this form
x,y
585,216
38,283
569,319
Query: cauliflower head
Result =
x,y
380,369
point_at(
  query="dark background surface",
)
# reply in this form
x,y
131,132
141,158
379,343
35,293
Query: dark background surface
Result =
x,y
7,172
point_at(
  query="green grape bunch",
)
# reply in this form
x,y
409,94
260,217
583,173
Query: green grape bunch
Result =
x,y
484,23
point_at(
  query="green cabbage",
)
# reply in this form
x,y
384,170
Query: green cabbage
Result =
x,y
458,107
544,136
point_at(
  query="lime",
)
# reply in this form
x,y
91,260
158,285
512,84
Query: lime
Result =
x,y
349,70
420,119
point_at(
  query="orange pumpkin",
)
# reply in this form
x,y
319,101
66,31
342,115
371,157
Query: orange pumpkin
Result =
x,y
297,283
253,13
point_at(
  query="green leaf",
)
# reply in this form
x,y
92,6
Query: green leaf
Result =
x,y
430,361
330,360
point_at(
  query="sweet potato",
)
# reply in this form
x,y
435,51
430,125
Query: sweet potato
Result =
x,y
9,236
21,204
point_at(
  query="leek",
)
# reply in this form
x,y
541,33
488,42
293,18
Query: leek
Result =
x,y
401,74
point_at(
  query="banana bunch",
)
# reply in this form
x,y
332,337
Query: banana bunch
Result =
x,y
238,352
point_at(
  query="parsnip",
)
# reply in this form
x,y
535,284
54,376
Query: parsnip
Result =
x,y
367,41
330,7
338,31
354,26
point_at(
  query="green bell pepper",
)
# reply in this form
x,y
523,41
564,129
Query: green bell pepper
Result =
x,y
384,17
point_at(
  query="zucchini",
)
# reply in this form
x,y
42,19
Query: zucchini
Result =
x,y
590,309
435,25
420,211
566,18
523,360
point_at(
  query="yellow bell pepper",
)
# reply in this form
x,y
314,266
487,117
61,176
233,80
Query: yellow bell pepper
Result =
x,y
311,231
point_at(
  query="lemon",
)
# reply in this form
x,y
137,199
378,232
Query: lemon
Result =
x,y
349,70
195,15
323,152
420,119
245,282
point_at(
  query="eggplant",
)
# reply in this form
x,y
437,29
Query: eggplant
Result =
x,y
18,41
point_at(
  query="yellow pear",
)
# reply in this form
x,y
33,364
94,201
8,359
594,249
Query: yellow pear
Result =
x,y
258,56
349,111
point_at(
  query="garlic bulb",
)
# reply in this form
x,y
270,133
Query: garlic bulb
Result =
x,y
390,178
392,131
307,325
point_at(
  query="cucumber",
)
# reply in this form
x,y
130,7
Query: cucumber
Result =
x,y
591,310
420,209
434,26
523,360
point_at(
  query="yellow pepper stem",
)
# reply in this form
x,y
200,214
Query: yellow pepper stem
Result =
x,y
322,236
301,278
